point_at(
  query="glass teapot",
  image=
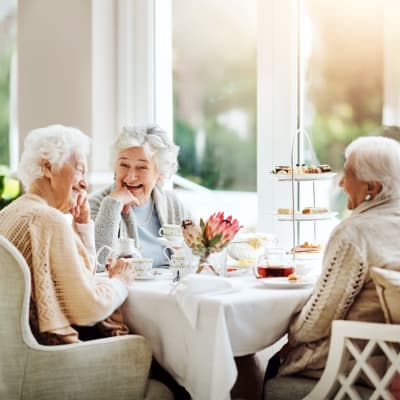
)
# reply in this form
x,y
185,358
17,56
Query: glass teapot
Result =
x,y
275,262
123,248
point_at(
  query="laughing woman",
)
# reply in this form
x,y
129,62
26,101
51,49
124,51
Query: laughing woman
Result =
x,y
67,303
136,206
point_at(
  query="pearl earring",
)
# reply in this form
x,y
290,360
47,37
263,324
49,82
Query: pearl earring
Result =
x,y
368,197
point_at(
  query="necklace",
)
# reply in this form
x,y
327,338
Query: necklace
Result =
x,y
149,216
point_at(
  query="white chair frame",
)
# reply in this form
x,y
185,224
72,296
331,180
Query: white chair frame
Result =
x,y
336,383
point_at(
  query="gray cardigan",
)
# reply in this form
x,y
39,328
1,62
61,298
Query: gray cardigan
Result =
x,y
110,223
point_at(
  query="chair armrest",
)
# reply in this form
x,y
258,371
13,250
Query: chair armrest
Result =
x,y
365,330
115,367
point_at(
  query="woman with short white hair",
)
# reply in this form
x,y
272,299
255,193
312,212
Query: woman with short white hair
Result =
x,y
65,297
368,238
136,205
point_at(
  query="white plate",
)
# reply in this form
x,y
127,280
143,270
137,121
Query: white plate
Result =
x,y
283,283
237,272
306,217
145,277
304,177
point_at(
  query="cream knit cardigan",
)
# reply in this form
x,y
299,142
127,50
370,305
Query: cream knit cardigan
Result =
x,y
64,289
368,238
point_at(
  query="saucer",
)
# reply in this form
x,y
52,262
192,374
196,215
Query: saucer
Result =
x,y
145,277
284,283
171,243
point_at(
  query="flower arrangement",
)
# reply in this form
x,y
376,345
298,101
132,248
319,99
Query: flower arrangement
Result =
x,y
210,237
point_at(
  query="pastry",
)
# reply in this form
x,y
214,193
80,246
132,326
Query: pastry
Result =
x,y
283,169
312,169
293,278
307,247
325,168
285,211
314,210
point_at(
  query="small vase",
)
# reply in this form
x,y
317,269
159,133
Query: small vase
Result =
x,y
204,264
214,261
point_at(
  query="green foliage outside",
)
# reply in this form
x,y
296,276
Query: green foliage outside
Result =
x,y
215,92
10,188
225,162
5,59
228,161
345,75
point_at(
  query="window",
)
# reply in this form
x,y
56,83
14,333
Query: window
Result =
x,y
7,47
346,47
214,87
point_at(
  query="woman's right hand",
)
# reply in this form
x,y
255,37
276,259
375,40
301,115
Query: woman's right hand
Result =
x,y
122,270
122,194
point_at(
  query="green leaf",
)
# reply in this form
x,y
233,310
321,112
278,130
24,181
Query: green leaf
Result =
x,y
1,185
202,224
215,240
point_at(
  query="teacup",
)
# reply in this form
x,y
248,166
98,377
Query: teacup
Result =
x,y
171,232
178,263
143,267
123,248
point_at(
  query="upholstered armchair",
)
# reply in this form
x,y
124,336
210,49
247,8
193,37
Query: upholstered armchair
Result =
x,y
110,368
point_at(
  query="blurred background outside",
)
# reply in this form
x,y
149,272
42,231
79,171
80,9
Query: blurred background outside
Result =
x,y
215,91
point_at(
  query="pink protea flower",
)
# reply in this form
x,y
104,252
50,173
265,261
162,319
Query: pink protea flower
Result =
x,y
210,237
219,231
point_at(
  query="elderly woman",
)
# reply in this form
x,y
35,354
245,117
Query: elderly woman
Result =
x,y
368,238
65,295
136,205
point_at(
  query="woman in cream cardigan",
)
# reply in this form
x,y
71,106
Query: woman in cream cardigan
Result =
x,y
368,238
136,205
61,256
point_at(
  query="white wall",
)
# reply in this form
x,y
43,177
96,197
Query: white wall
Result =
x,y
54,63
67,69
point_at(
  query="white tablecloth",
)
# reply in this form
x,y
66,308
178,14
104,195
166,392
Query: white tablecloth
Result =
x,y
229,324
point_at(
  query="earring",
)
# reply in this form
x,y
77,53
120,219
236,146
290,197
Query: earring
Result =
x,y
368,197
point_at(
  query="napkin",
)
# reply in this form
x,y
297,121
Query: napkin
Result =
x,y
189,291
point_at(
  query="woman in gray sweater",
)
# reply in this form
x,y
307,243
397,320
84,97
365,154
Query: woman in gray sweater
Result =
x,y
136,205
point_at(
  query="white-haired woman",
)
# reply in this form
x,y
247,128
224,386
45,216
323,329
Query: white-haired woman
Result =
x,y
136,205
65,297
368,238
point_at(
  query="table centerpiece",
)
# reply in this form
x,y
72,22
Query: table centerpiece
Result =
x,y
209,237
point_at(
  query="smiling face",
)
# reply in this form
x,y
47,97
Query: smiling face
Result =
x,y
354,188
136,171
68,182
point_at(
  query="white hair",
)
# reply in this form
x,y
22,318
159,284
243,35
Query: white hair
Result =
x,y
155,143
55,143
376,158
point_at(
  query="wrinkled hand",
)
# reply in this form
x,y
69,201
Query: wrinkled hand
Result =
x,y
122,270
81,212
122,194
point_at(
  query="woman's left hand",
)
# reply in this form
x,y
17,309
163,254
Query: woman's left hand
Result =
x,y
81,212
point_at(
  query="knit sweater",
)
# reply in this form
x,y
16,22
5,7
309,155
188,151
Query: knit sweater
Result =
x,y
345,290
110,223
64,289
